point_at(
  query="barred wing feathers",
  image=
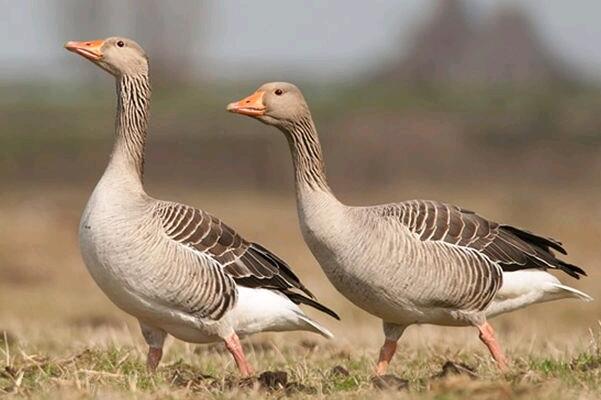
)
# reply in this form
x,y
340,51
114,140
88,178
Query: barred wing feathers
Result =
x,y
245,263
510,247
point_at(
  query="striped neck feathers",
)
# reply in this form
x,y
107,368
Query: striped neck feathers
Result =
x,y
133,101
309,167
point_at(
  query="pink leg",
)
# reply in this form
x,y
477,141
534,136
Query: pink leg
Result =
x,y
487,335
154,356
386,353
234,346
155,338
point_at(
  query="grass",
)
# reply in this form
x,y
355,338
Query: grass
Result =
x,y
119,372
61,338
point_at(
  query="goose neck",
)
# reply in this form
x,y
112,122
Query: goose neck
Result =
x,y
131,126
307,155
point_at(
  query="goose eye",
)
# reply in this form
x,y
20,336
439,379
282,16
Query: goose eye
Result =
x,y
279,92
120,43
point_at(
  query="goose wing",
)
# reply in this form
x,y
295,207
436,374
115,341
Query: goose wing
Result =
x,y
237,260
510,247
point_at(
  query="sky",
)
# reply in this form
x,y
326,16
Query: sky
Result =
x,y
324,40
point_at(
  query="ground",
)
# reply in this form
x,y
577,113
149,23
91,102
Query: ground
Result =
x,y
61,338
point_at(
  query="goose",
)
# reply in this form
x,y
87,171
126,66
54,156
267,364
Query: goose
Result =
x,y
413,262
177,269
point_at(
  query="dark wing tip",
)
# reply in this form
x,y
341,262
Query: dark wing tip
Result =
x,y
546,244
283,268
572,270
290,281
300,299
540,241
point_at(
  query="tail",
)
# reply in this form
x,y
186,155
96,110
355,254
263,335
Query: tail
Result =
x,y
567,292
262,310
314,326
525,287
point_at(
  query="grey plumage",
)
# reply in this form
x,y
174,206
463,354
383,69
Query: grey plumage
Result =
x,y
411,262
177,269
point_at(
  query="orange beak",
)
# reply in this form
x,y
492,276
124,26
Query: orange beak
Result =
x,y
90,50
251,105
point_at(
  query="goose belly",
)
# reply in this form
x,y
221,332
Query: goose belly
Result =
x,y
388,288
113,239
108,271
390,299
115,276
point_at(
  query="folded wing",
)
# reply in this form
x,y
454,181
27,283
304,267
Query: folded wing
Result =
x,y
245,263
510,247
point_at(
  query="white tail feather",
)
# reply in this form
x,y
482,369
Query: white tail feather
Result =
x,y
260,310
571,292
316,327
525,287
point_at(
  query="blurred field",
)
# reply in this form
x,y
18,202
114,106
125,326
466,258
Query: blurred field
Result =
x,y
65,339
395,134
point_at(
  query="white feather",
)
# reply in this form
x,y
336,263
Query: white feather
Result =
x,y
525,287
259,310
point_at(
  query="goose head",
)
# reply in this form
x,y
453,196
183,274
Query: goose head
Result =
x,y
276,103
116,55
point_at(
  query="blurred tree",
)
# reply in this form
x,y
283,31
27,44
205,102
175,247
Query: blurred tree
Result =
x,y
508,49
452,48
437,46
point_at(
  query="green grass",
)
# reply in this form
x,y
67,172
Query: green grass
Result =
x,y
121,371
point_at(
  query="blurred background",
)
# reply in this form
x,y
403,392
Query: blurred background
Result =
x,y
491,104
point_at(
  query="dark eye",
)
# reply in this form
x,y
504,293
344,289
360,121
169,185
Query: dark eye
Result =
x,y
120,43
279,92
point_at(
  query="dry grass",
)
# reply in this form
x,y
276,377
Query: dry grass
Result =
x,y
64,339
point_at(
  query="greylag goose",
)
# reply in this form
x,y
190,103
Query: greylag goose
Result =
x,y
414,262
177,269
